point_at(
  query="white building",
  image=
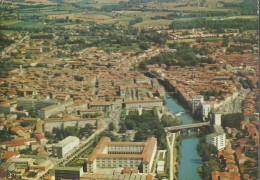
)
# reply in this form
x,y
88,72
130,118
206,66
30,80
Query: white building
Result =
x,y
160,167
144,104
205,110
149,104
50,123
197,101
218,137
65,146
109,154
49,110
217,119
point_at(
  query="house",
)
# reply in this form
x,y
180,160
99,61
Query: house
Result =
x,y
6,170
216,175
10,154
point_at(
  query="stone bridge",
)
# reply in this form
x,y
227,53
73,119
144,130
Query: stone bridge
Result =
x,y
187,126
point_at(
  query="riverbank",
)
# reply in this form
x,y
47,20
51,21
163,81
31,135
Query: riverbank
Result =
x,y
187,146
183,99
176,155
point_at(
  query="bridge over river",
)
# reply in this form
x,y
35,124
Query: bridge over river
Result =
x,y
187,126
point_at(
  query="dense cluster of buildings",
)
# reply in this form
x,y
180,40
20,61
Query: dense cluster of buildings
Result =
x,y
89,86
70,92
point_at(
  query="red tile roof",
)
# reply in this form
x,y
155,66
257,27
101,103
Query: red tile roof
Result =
x,y
9,154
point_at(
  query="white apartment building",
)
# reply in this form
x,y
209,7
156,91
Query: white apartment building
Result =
x,y
197,101
205,110
65,146
218,137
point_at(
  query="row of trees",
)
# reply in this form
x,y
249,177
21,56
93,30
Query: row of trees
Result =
x,y
232,120
42,36
4,41
208,153
168,120
248,7
248,24
135,21
91,115
59,134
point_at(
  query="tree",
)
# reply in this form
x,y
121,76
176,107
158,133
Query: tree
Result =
x,y
170,121
25,151
210,162
19,108
32,113
28,56
142,66
25,123
253,118
122,128
144,46
109,65
5,135
111,127
232,120
225,42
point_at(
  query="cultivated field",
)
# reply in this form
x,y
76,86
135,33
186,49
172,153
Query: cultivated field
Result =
x,y
154,23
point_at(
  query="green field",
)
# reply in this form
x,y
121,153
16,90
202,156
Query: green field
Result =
x,y
8,32
28,24
158,22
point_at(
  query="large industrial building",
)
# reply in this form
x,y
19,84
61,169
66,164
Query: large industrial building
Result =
x,y
64,146
109,154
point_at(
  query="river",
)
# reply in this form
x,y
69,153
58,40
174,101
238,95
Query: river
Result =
x,y
190,160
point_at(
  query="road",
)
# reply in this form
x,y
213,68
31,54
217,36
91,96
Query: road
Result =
x,y
171,145
187,126
115,118
238,101
234,106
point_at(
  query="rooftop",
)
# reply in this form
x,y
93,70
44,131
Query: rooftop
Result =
x,y
66,141
105,141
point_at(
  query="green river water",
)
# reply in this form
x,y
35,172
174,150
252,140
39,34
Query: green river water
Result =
x,y
190,159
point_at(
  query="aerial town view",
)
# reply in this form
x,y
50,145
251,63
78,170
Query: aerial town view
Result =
x,y
129,89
